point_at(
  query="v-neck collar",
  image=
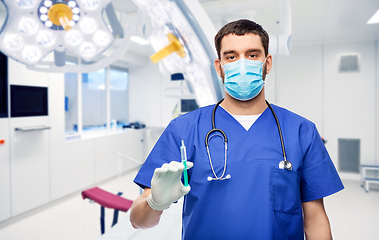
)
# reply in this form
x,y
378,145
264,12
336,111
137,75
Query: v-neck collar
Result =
x,y
235,132
226,113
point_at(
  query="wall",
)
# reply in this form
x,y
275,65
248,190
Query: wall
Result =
x,y
299,82
29,160
342,105
350,99
377,101
5,199
147,101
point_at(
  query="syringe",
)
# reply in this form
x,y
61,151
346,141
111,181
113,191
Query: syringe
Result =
x,y
183,155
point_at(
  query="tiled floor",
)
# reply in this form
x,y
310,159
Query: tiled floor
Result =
x,y
353,213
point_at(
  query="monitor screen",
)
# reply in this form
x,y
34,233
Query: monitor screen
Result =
x,y
3,86
28,101
188,105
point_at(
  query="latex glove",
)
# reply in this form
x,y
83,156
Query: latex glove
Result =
x,y
166,185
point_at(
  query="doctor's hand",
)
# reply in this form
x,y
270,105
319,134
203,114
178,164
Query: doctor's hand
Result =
x,y
166,185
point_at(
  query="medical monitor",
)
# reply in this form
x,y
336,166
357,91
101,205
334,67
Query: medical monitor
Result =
x,y
188,105
27,101
3,86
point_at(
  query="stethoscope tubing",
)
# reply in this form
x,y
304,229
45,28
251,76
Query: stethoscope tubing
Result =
x,y
286,164
279,130
214,129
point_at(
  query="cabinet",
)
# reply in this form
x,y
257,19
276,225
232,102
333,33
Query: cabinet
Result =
x,y
105,159
134,146
5,191
129,143
29,164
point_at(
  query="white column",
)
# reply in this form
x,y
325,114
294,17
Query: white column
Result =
x,y
108,97
80,102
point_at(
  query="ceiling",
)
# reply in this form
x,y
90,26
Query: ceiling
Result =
x,y
313,21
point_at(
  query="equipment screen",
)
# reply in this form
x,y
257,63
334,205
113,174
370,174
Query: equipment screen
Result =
x,y
3,86
188,105
28,101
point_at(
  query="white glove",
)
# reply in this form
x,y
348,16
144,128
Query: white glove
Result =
x,y
166,185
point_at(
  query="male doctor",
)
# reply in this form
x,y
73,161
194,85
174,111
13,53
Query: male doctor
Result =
x,y
240,192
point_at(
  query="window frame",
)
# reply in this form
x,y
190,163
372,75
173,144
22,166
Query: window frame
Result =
x,y
80,131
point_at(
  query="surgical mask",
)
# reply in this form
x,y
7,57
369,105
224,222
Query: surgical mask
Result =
x,y
243,79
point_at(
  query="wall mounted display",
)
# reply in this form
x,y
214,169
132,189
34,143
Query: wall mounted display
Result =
x,y
27,101
3,86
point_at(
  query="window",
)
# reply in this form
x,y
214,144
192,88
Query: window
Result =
x,y
119,95
71,103
87,105
94,110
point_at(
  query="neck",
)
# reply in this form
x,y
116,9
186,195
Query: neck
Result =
x,y
254,106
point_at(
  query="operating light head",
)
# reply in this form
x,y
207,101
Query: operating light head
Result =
x,y
180,19
34,28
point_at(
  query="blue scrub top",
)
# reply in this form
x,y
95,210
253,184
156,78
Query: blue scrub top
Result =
x,y
260,201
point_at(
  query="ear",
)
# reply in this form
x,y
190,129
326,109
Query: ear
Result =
x,y
268,63
218,67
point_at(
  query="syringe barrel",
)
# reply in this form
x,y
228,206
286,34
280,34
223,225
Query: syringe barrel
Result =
x,y
183,153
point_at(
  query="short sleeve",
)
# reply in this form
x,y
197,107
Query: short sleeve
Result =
x,y
166,149
320,177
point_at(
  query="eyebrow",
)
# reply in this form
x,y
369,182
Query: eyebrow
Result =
x,y
228,52
254,50
257,50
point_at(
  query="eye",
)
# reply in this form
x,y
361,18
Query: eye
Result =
x,y
231,57
252,56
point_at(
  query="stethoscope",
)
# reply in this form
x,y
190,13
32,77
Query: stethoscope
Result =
x,y
284,164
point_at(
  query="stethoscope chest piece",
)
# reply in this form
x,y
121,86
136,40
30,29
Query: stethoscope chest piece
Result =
x,y
285,165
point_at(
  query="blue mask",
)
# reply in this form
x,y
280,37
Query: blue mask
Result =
x,y
243,79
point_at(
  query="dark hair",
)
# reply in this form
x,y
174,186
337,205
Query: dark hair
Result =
x,y
240,28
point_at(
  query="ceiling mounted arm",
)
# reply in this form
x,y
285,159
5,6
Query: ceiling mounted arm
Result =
x,y
281,44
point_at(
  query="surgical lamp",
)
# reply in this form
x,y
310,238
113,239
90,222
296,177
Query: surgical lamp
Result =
x,y
177,30
34,28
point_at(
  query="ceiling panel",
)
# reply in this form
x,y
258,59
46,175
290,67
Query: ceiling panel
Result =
x,y
312,21
308,9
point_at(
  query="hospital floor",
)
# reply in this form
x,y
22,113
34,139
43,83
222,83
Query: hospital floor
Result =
x,y
353,213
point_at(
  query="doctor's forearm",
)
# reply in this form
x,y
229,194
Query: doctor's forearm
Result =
x,y
318,231
142,215
316,222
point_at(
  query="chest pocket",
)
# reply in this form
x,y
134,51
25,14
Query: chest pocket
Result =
x,y
285,191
